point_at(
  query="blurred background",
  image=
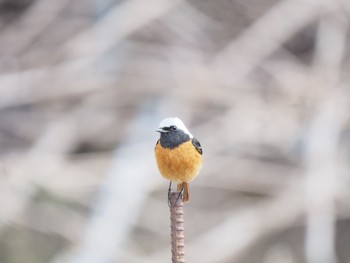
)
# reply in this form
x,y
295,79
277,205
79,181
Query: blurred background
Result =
x,y
263,85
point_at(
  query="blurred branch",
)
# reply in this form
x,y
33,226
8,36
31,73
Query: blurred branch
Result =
x,y
323,176
121,197
30,26
322,179
260,40
116,26
332,32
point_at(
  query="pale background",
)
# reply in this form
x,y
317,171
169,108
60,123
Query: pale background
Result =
x,y
263,85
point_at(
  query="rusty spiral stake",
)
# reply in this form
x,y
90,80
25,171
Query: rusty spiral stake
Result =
x,y
177,229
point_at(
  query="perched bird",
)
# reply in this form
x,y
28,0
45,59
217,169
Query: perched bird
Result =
x,y
178,154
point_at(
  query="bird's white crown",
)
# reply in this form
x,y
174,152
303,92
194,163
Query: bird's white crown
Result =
x,y
167,122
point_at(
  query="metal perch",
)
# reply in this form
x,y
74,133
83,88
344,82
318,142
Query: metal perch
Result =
x,y
177,228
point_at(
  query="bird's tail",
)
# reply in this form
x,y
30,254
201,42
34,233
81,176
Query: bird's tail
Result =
x,y
186,195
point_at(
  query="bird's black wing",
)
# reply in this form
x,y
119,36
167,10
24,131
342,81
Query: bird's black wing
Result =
x,y
197,145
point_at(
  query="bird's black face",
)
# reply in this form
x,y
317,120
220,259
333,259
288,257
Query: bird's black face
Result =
x,y
171,137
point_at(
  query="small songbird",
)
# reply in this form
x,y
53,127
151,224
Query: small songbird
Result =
x,y
178,154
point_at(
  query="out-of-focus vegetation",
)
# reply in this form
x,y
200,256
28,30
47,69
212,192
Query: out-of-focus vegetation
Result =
x,y
264,86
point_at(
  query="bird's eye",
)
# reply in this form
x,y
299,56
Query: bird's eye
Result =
x,y
173,127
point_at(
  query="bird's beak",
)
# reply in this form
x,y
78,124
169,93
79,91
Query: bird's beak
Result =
x,y
160,130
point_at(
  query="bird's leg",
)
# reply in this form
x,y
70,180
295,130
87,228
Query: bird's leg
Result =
x,y
169,191
179,196
180,193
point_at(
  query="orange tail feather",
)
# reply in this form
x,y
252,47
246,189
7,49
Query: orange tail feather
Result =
x,y
186,195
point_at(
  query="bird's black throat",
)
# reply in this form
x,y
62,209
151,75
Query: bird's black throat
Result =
x,y
172,139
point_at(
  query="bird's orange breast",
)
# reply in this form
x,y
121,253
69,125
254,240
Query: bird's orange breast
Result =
x,y
180,164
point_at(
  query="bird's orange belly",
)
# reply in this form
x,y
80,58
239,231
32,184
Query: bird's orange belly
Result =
x,y
181,164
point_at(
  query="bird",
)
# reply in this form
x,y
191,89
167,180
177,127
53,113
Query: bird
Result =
x,y
178,155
